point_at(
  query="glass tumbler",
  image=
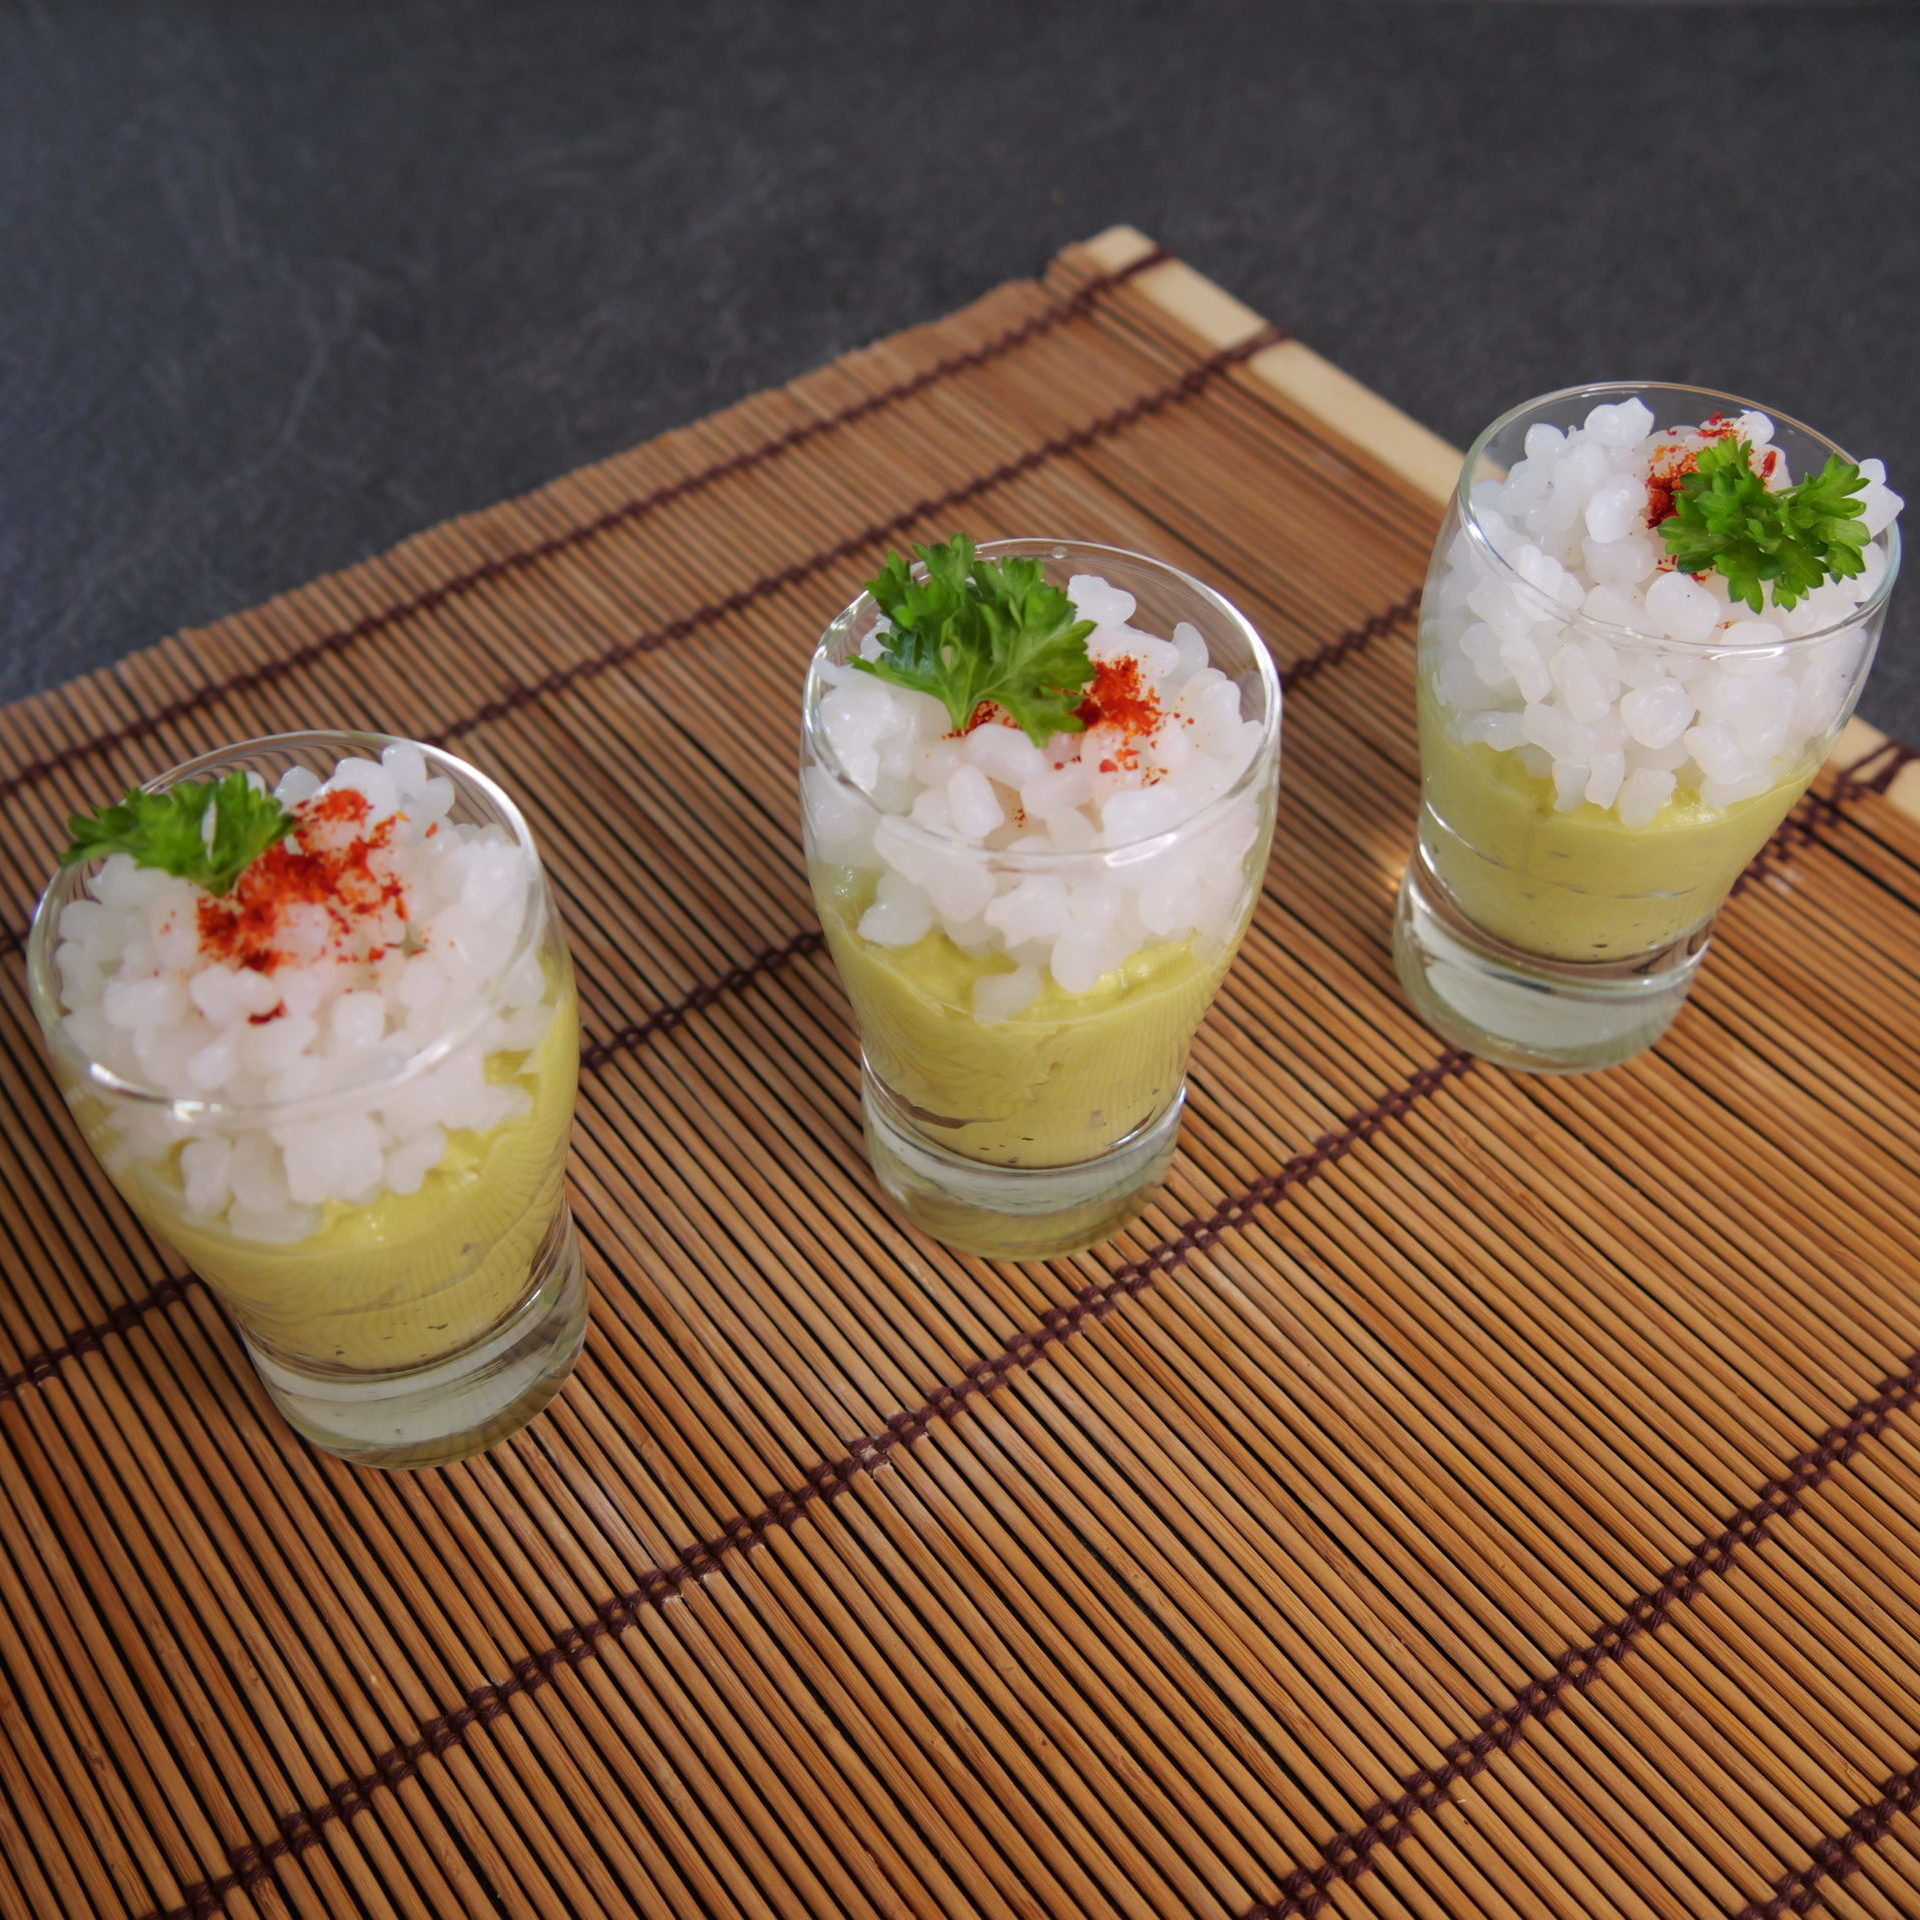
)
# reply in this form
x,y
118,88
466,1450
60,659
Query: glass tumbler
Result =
x,y
1592,787
388,1231
1024,1059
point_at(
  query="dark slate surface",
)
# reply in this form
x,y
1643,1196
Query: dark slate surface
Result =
x,y
280,283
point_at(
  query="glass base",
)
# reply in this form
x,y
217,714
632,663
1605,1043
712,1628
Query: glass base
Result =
x,y
1518,1010
1013,1213
430,1415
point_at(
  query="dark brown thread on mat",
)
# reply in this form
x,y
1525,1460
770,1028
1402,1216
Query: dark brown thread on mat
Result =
x,y
825,1481
123,1319
41,1367
521,693
665,1019
1815,812
1387,1823
1797,1892
522,558
1894,756
1354,640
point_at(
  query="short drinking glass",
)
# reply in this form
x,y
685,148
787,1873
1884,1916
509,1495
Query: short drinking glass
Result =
x,y
343,1092
1030,936
1606,743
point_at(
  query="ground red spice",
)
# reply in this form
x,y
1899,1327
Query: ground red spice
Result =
x,y
1118,699
337,872
987,713
1669,466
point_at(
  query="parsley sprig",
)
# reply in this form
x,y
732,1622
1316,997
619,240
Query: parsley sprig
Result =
x,y
206,831
977,630
1726,519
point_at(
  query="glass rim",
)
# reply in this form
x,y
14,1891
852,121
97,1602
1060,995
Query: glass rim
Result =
x,y
44,993
1053,860
1605,391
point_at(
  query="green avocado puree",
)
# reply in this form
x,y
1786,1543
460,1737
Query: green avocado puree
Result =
x,y
1059,1083
1580,885
410,1277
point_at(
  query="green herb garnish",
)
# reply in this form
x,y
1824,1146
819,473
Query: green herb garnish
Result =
x,y
1724,518
206,831
977,630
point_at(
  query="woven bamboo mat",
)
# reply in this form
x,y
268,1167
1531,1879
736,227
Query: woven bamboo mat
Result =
x,y
1463,1494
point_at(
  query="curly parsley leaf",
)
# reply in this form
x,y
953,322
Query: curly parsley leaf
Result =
x,y
976,630
1725,519
206,831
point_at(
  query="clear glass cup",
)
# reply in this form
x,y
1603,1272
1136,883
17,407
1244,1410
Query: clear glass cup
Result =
x,y
1046,1130
440,1309
1566,877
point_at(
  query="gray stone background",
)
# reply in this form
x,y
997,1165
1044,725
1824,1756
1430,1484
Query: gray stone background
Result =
x,y
283,280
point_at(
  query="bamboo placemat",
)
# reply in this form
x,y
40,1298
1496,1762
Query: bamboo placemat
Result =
x,y
1463,1494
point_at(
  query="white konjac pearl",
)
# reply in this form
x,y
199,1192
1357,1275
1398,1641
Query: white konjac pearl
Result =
x,y
1682,608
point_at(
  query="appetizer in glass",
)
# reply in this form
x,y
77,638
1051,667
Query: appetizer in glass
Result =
x,y
1650,611
310,1002
1038,783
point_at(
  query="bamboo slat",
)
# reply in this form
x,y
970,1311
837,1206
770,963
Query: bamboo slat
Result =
x,y
1459,1495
